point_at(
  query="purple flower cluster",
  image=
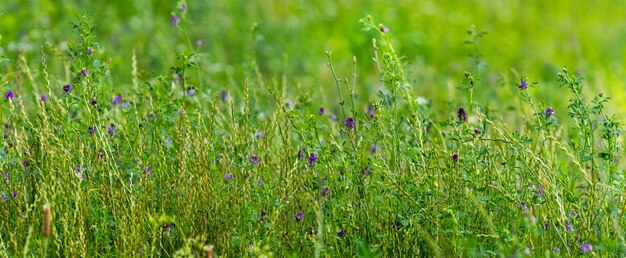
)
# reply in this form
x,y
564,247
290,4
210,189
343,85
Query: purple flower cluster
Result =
x,y
254,159
312,159
349,123
299,216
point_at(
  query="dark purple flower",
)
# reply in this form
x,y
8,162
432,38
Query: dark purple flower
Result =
x,y
25,163
148,169
14,193
539,190
523,85
349,123
152,116
93,102
366,171
259,182
548,112
100,155
384,29
112,130
167,227
84,72
262,215
556,250
476,131
183,8
299,216
546,225
586,247
573,214
312,159
224,95
198,42
373,148
117,99
228,176
325,191
341,232
168,142
322,111
569,226
254,159
372,116
68,88
462,115
10,95
258,134
89,51
91,129
175,20
300,154
191,92
5,198
43,98
455,157
523,205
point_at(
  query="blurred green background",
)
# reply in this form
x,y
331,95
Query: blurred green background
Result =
x,y
533,38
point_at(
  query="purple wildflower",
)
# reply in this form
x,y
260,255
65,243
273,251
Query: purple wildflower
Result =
x,y
527,251
198,42
91,129
556,250
548,112
462,115
228,176
125,105
373,148
191,92
349,123
93,102
112,130
312,159
384,29
89,51
586,247
569,226
25,163
224,95
5,198
546,225
84,72
455,157
322,111
539,190
366,171
523,85
148,169
254,159
523,205
341,232
43,98
117,99
175,20
259,182
476,131
262,215
300,154
68,88
333,117
299,216
14,193
183,8
258,134
325,191
10,95
372,115
167,227
573,214
168,142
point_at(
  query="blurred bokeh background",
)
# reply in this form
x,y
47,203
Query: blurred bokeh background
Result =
x,y
290,37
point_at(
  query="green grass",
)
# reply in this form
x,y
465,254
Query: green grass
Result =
x,y
164,147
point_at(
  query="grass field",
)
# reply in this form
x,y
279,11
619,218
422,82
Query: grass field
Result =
x,y
312,128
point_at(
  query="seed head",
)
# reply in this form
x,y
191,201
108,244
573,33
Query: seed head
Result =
x,y
47,219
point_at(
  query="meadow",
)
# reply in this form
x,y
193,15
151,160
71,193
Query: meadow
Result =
x,y
312,128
